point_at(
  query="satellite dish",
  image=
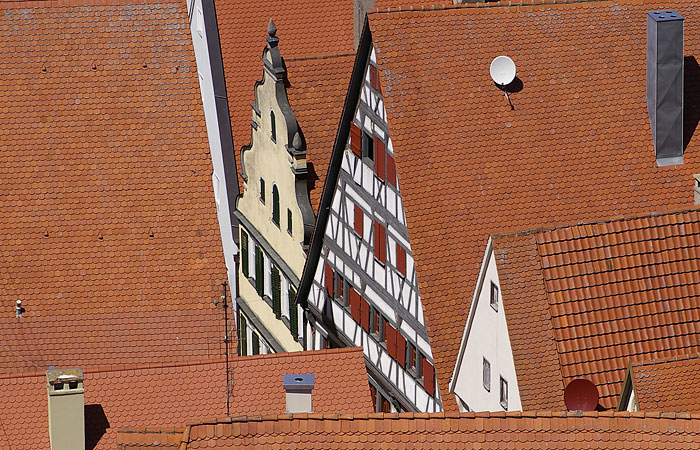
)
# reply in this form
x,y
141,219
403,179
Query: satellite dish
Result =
x,y
581,395
502,70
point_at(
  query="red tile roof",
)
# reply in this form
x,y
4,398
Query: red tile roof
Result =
x,y
602,295
163,396
671,385
306,30
174,395
440,431
109,231
576,147
258,389
316,94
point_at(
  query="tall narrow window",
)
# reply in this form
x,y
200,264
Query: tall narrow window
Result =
x,y
289,221
400,259
367,146
379,158
486,376
262,190
494,296
276,282
242,335
259,272
256,344
293,313
273,127
379,242
244,253
359,221
504,394
275,205
391,170
355,139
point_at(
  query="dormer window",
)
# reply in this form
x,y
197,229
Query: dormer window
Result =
x,y
273,127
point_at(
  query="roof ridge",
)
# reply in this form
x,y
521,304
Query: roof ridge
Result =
x,y
296,354
525,415
11,4
119,368
315,58
494,4
618,219
687,357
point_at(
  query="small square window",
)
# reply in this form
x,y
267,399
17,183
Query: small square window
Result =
x,y
504,394
494,296
487,375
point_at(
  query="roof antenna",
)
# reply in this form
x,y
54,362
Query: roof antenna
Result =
x,y
503,73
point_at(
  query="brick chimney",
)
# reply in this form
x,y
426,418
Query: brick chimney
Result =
x,y
665,84
298,388
66,409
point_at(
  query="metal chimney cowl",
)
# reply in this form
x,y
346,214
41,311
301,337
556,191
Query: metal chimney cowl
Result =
x,y
665,84
298,389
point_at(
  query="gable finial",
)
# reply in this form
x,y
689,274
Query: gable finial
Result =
x,y
271,28
296,141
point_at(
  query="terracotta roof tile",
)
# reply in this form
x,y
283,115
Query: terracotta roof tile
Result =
x,y
622,291
109,232
576,147
163,396
174,395
258,389
316,94
670,385
306,30
413,431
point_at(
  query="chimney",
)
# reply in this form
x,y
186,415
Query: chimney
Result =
x,y
665,84
299,389
66,409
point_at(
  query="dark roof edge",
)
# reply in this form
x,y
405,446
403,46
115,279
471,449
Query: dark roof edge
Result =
x,y
351,99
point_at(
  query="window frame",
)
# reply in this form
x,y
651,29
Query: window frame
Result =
x,y
276,205
493,300
486,374
273,126
367,146
289,221
503,394
261,186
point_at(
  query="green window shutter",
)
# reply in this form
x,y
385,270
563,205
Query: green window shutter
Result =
x,y
242,335
259,273
256,344
276,292
293,313
275,205
244,252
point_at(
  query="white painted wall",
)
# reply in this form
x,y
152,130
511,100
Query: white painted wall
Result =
x,y
206,85
486,336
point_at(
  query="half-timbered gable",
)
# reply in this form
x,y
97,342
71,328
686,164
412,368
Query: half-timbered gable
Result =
x,y
275,215
363,289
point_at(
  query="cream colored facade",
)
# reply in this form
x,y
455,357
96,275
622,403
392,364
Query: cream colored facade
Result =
x,y
274,172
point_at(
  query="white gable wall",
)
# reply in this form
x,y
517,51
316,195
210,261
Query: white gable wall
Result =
x,y
486,336
206,85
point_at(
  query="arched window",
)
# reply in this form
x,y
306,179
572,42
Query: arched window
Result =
x,y
275,205
273,127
